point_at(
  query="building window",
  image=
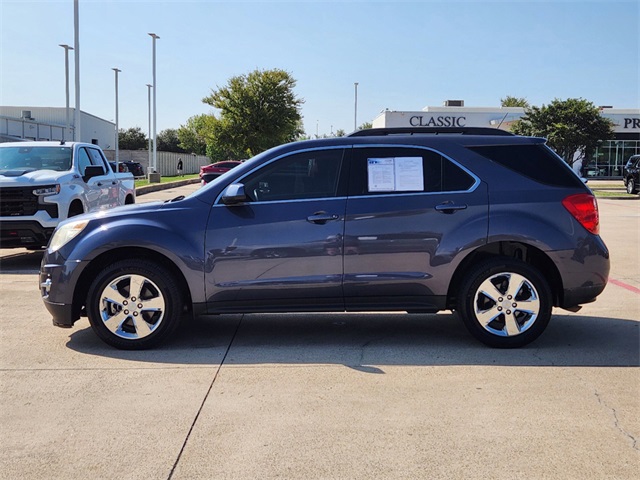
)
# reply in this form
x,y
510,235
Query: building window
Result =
x,y
610,157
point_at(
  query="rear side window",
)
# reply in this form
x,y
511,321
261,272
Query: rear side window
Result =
x,y
394,170
534,161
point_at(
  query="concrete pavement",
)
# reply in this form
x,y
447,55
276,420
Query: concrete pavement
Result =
x,y
339,396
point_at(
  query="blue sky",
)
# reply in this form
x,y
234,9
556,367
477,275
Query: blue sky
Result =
x,y
404,55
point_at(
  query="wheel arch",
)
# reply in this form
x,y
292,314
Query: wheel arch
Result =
x,y
74,205
118,254
517,250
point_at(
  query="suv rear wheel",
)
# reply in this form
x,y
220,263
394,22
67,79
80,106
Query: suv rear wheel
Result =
x,y
631,186
505,303
134,304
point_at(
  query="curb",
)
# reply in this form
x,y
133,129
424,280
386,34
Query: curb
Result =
x,y
163,186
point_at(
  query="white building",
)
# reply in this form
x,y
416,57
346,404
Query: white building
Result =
x,y
607,161
49,123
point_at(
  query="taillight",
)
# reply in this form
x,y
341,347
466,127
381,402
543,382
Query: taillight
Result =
x,y
584,209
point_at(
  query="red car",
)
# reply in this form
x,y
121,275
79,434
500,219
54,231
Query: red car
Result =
x,y
214,170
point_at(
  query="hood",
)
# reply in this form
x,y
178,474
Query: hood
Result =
x,y
28,176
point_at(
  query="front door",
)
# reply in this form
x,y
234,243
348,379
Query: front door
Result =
x,y
282,248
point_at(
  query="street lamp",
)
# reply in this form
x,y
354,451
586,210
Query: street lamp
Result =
x,y
117,129
66,84
149,104
355,110
77,124
155,89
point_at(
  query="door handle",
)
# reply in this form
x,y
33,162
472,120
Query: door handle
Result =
x,y
321,218
449,207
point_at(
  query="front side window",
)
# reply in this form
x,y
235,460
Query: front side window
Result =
x,y
394,170
83,161
305,175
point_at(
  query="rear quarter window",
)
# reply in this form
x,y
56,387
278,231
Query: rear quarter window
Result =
x,y
536,162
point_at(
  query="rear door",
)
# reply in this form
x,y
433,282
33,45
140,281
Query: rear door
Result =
x,y
283,247
412,214
108,182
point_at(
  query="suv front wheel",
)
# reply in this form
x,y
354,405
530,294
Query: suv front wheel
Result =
x,y
134,304
505,303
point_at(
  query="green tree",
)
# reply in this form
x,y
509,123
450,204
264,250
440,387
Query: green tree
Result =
x,y
510,101
132,139
257,111
569,126
193,136
340,133
168,141
365,126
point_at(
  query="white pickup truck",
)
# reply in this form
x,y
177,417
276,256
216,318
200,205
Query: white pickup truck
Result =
x,y
43,183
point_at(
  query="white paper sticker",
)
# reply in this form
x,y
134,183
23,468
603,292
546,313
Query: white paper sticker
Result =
x,y
381,174
408,174
395,174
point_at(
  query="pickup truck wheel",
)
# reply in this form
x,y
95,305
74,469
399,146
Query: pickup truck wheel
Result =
x,y
505,303
134,304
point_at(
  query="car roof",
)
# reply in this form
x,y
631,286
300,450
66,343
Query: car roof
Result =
x,y
417,139
45,144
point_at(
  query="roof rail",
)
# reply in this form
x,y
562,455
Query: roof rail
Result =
x,y
372,132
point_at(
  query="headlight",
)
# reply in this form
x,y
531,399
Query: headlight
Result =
x,y
65,233
47,190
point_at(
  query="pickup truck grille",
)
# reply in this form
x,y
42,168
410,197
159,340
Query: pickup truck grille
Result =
x,y
17,201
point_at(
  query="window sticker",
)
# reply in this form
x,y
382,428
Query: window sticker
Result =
x,y
381,175
395,174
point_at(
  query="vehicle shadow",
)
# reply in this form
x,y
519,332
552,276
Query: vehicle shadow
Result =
x,y
21,262
368,342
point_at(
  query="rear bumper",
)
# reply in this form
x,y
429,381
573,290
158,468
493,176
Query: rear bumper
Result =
x,y
585,272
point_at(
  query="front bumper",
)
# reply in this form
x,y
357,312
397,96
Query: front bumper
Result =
x,y
58,282
15,234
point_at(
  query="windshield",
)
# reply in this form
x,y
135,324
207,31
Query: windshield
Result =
x,y
35,158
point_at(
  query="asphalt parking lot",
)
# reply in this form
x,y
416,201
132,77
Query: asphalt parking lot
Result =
x,y
340,396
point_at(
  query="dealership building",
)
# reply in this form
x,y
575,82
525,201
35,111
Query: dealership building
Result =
x,y
607,161
50,123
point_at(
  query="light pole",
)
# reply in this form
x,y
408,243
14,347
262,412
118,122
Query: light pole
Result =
x,y
355,110
66,86
76,47
117,129
149,103
155,88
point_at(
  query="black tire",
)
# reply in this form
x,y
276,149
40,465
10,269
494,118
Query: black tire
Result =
x,y
115,312
520,311
631,186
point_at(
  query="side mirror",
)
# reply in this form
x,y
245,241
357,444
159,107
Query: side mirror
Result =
x,y
234,194
91,171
